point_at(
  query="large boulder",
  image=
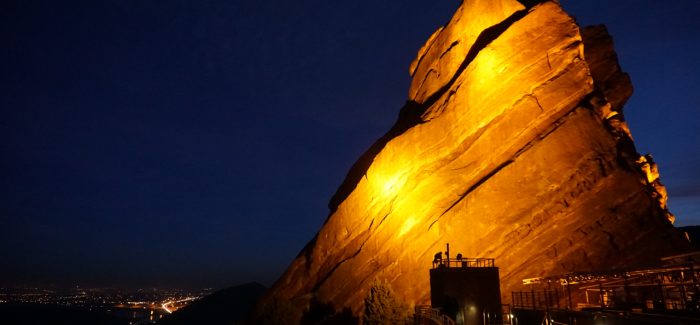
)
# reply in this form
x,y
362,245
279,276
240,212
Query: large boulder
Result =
x,y
512,145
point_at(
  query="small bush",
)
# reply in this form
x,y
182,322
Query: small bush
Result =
x,y
382,307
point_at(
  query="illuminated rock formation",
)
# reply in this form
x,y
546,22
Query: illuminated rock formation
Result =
x,y
513,146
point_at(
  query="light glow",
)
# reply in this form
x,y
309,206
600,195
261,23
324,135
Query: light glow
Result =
x,y
390,185
407,225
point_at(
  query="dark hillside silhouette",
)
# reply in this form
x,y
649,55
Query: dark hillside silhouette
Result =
x,y
226,306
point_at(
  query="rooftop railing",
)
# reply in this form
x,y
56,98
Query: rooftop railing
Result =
x,y
464,262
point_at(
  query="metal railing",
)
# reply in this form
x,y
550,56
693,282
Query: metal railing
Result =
x,y
464,262
425,315
536,300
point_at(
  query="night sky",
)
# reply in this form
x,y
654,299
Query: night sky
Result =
x,y
197,143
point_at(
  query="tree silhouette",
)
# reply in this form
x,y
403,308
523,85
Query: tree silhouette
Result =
x,y
382,307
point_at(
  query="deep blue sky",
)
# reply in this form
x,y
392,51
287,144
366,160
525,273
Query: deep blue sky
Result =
x,y
197,143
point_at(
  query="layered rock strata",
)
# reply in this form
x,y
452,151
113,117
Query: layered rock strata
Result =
x,y
512,145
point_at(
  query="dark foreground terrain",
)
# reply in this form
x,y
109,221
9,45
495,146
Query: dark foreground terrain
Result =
x,y
227,306
31,314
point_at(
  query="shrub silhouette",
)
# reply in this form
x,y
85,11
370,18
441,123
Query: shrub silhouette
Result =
x,y
382,306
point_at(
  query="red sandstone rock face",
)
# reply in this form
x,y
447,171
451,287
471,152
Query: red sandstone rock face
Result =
x,y
512,146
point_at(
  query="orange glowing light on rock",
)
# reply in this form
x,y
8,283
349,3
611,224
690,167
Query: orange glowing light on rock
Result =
x,y
391,185
407,225
488,67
